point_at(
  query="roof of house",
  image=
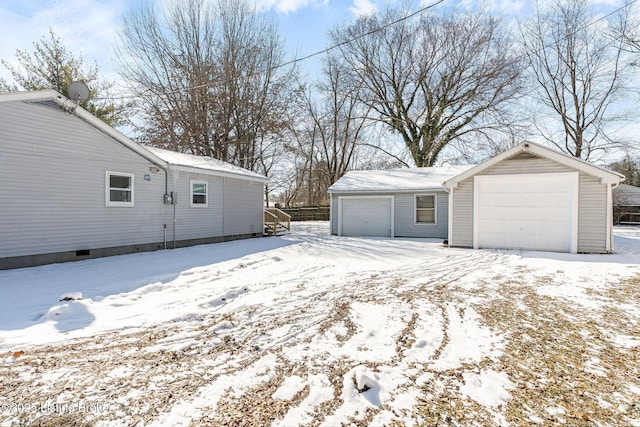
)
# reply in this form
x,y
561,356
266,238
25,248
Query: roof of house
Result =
x,y
626,195
606,176
396,180
204,164
162,158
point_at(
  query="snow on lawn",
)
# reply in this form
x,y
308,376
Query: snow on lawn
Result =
x,y
310,328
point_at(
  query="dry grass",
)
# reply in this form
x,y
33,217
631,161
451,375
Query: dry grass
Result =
x,y
570,365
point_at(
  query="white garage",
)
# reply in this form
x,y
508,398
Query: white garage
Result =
x,y
365,216
533,198
528,197
528,211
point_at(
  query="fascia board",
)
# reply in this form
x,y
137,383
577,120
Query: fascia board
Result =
x,y
606,176
193,169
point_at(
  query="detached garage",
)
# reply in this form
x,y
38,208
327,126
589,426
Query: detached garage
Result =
x,y
366,216
531,197
392,203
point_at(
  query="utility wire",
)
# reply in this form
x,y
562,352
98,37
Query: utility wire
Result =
x,y
304,58
368,33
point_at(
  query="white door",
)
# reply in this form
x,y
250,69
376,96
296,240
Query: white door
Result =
x,y
532,211
366,216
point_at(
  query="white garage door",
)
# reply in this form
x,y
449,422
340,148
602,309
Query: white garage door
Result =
x,y
533,211
366,216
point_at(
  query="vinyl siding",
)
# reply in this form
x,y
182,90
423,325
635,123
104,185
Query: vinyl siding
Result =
x,y
53,179
198,222
53,190
243,207
592,215
462,218
333,215
404,214
404,211
591,206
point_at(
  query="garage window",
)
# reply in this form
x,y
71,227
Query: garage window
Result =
x,y
425,208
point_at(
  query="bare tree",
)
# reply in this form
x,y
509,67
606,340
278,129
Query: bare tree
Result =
x,y
629,167
435,80
209,79
339,122
52,66
579,73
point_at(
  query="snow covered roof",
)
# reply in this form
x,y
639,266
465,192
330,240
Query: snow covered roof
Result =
x,y
396,180
204,163
626,195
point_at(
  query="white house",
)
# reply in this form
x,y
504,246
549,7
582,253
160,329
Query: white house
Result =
x,y
74,188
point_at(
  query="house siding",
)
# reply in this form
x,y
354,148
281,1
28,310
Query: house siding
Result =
x,y
333,215
404,213
54,188
198,222
53,171
592,210
462,218
592,215
243,207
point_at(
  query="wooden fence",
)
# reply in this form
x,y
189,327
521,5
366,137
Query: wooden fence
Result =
x,y
313,213
626,215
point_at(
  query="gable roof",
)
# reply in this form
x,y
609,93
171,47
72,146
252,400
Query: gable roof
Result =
x,y
626,195
205,164
396,180
162,158
606,176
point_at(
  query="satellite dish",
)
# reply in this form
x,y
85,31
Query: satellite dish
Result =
x,y
78,92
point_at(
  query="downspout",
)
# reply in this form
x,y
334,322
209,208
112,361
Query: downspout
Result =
x,y
450,216
175,203
609,243
331,216
166,191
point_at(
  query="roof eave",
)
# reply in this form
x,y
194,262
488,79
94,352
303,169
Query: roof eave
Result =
x,y
390,190
228,174
606,176
31,96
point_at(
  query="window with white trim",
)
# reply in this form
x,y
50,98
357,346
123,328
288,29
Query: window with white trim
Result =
x,y
425,208
199,194
119,189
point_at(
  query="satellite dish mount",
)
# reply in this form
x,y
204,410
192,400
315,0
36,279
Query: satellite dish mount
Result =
x,y
78,92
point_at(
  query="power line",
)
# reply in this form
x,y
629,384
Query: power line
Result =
x,y
304,58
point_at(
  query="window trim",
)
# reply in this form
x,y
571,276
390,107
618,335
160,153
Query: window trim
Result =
x,y
206,194
435,209
111,203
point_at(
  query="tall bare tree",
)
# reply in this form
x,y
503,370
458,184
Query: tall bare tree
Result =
x,y
579,72
52,66
208,79
433,80
338,119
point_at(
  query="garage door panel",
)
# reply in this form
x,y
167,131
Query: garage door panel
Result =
x,y
534,212
366,216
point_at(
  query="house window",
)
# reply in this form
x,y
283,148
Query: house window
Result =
x,y
199,196
425,208
119,189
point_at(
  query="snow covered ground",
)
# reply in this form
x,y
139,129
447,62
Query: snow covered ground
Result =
x,y
313,329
